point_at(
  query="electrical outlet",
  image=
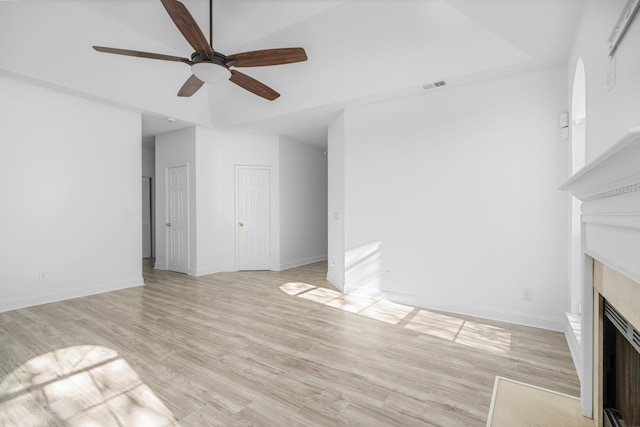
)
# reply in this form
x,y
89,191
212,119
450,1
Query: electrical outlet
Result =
x,y
527,294
42,276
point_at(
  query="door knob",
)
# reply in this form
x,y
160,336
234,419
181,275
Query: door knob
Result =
x,y
241,224
168,224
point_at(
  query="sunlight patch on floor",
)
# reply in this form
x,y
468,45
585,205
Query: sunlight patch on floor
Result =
x,y
81,385
351,303
373,308
476,335
479,336
321,295
387,311
295,288
435,324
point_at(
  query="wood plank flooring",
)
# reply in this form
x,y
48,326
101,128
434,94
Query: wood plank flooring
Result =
x,y
260,348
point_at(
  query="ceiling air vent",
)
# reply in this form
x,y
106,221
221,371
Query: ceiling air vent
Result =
x,y
434,85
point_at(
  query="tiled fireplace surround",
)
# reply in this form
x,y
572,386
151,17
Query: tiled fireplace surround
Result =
x,y
609,188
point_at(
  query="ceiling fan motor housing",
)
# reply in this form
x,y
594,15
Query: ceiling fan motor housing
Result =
x,y
217,58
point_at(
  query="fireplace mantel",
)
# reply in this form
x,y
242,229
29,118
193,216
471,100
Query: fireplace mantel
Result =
x,y
609,188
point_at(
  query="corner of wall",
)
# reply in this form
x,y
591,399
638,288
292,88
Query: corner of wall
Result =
x,y
335,281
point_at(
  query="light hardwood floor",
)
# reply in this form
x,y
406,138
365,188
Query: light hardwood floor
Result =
x,y
260,348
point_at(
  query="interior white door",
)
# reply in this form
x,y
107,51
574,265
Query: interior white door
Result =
x,y
146,217
177,225
253,218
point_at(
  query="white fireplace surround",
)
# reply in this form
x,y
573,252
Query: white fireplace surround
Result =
x,y
609,188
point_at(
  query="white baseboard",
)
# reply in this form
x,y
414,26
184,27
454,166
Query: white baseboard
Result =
x,y
502,316
337,283
574,346
71,294
159,266
212,270
300,262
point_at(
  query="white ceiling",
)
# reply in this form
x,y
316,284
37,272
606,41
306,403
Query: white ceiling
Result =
x,y
359,51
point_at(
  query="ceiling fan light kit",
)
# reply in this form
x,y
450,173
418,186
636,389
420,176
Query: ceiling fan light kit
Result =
x,y
209,66
210,72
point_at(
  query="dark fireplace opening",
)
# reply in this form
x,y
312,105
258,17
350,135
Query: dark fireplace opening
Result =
x,y
621,371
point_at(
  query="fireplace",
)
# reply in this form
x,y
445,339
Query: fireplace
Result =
x,y
608,362
616,348
620,370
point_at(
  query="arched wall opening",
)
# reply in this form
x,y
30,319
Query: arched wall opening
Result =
x,y
578,158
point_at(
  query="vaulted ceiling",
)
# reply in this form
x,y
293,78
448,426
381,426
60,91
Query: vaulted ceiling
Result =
x,y
359,51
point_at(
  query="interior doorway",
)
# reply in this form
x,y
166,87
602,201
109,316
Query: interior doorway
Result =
x,y
177,219
253,217
147,217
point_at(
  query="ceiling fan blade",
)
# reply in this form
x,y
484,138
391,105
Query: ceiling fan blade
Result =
x,y
259,58
140,54
191,86
187,26
252,85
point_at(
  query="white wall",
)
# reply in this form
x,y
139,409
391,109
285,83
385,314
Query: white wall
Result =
x,y
248,150
610,114
212,158
303,204
218,156
298,204
70,185
211,248
148,161
335,182
452,201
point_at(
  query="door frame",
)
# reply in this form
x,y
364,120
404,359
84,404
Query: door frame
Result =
x,y
236,188
152,223
166,213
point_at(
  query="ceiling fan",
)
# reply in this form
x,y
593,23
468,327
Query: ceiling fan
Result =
x,y
210,66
